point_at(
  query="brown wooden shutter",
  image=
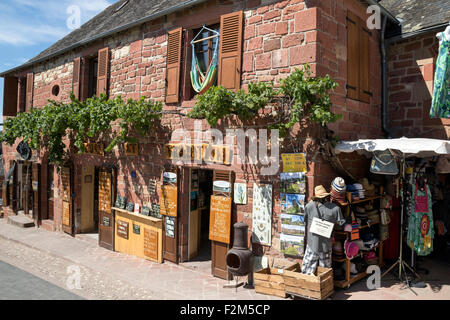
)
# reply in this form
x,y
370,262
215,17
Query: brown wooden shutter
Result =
x,y
364,63
10,96
173,65
30,86
230,54
76,77
352,56
102,75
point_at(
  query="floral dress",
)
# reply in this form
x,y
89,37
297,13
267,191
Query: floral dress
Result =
x,y
440,106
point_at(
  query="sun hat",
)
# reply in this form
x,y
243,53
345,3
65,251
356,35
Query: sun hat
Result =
x,y
320,192
338,184
351,249
366,185
338,250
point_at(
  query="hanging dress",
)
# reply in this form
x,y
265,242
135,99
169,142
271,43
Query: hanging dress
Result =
x,y
420,227
440,105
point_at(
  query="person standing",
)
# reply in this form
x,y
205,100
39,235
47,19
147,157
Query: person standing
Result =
x,y
318,248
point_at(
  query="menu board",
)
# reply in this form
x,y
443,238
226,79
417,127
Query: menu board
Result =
x,y
168,201
122,229
66,214
262,214
220,220
151,244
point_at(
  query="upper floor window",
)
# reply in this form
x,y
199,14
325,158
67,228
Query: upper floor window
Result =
x,y
179,58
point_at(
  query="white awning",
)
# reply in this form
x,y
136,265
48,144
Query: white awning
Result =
x,y
420,147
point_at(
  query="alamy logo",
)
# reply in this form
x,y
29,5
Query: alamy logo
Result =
x,y
374,280
74,279
374,21
74,20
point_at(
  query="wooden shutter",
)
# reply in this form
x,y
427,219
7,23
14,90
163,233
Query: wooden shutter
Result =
x,y
173,65
364,63
230,54
352,56
76,77
102,75
30,85
10,96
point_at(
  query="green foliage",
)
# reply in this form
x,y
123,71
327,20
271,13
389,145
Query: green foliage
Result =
x,y
80,121
299,96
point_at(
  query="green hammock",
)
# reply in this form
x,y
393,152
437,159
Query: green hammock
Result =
x,y
201,81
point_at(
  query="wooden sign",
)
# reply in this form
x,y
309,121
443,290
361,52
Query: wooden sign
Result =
x,y
94,148
151,244
65,180
220,220
168,203
198,152
104,192
122,229
66,214
152,187
131,149
294,162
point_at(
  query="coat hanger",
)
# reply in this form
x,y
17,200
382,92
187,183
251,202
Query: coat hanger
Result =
x,y
216,34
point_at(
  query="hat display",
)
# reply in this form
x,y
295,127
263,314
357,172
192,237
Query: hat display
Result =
x,y
320,192
338,250
351,249
366,185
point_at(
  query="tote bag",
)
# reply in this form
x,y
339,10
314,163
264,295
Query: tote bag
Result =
x,y
383,163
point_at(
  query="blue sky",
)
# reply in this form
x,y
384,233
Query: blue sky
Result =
x,y
27,27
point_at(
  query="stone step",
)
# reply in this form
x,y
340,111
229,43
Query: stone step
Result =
x,y
21,221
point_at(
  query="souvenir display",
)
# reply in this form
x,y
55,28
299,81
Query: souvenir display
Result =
x,y
145,211
121,202
262,214
240,193
130,206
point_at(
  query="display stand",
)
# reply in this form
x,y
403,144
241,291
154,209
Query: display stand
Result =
x,y
349,280
400,262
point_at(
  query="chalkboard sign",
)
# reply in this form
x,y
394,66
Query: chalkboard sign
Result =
x,y
136,229
156,211
122,229
106,221
121,202
168,201
130,206
220,221
170,227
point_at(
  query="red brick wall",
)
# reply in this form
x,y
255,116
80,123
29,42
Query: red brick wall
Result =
x,y
411,67
278,37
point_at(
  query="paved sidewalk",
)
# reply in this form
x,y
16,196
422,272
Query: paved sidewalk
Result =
x,y
112,275
163,281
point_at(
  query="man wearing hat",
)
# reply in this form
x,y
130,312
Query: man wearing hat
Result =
x,y
318,248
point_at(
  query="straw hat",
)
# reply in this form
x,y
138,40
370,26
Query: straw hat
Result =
x,y
320,192
366,185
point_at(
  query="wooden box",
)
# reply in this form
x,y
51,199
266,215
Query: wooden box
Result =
x,y
318,287
271,281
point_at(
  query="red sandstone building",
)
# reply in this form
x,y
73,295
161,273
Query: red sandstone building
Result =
x,y
137,48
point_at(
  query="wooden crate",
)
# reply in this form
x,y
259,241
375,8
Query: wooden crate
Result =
x,y
319,286
271,281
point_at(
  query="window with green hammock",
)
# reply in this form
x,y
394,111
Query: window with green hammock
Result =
x,y
205,58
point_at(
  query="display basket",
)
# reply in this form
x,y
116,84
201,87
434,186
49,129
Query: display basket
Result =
x,y
270,281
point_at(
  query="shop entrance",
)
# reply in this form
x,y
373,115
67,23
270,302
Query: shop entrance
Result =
x,y
200,195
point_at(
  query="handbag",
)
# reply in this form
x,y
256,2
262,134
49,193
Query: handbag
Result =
x,y
383,163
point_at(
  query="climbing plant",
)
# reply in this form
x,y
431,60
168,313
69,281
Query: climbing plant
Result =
x,y
299,96
80,121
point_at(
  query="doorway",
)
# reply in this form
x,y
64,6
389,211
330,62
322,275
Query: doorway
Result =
x,y
87,200
201,186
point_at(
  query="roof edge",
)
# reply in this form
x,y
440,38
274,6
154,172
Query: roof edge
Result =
x,y
408,35
106,34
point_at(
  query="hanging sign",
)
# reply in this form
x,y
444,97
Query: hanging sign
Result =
x,y
262,214
220,219
94,148
240,193
222,186
131,149
168,203
294,162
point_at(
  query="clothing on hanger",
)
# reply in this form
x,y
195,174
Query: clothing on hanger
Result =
x,y
440,105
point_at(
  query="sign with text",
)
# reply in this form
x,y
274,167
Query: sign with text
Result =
x,y
94,148
294,162
220,220
151,244
122,229
168,203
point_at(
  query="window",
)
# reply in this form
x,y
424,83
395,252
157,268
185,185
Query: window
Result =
x,y
358,59
90,75
179,56
18,94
